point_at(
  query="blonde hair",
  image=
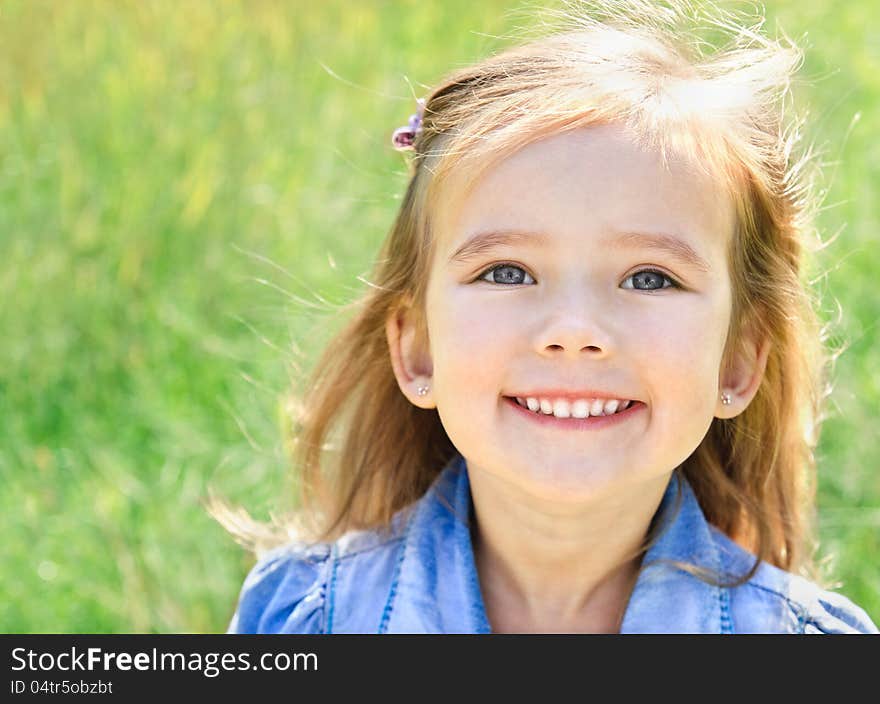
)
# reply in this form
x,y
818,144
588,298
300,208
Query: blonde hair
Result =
x,y
365,451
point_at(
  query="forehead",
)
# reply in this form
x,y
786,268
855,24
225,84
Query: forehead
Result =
x,y
587,183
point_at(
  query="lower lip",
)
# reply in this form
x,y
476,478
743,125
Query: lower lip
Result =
x,y
588,423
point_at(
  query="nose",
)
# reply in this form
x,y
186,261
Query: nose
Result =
x,y
574,328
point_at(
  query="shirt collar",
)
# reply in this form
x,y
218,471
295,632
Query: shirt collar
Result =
x,y
438,590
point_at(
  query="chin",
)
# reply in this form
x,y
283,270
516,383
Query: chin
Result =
x,y
570,485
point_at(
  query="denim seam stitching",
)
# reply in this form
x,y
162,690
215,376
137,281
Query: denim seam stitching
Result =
x,y
799,609
795,606
330,599
386,612
724,603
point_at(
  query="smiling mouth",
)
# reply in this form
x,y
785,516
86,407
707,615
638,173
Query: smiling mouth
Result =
x,y
564,423
579,409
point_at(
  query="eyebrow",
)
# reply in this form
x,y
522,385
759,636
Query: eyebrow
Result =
x,y
675,247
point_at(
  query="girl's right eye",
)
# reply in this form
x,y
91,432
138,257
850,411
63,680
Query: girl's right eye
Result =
x,y
505,274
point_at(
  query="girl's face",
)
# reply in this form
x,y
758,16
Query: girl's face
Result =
x,y
580,264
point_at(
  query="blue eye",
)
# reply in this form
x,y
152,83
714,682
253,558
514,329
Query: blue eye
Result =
x,y
505,274
650,277
512,274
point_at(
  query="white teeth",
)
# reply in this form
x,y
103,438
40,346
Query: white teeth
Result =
x,y
581,408
561,408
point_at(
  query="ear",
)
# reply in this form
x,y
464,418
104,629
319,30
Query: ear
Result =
x,y
742,380
410,357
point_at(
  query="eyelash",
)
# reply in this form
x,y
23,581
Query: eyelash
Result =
x,y
492,268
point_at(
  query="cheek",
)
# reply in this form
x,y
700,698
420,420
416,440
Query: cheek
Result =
x,y
469,341
470,328
686,351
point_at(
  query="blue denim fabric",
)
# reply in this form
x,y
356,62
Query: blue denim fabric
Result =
x,y
420,577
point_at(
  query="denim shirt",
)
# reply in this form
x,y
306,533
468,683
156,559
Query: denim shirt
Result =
x,y
420,577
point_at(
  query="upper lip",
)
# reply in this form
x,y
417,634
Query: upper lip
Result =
x,y
570,395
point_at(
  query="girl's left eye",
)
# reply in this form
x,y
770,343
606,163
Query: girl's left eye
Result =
x,y
513,274
650,276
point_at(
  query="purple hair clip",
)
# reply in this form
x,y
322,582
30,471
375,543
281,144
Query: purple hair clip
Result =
x,y
404,137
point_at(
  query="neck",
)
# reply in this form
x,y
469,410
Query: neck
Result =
x,y
546,568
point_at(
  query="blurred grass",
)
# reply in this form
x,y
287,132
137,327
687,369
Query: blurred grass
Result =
x,y
157,161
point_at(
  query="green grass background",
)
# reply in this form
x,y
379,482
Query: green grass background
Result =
x,y
183,186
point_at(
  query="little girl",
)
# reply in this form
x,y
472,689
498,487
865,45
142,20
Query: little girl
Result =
x,y
584,389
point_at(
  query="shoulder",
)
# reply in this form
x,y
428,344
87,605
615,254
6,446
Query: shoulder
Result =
x,y
293,588
776,601
284,592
